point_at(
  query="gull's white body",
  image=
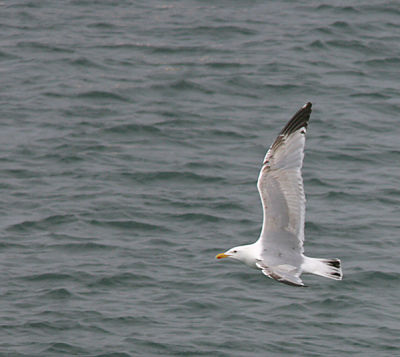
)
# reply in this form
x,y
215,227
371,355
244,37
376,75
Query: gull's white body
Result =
x,y
278,252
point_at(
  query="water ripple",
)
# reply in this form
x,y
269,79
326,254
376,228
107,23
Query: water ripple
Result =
x,y
132,136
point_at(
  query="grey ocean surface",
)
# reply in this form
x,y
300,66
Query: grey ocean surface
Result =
x,y
132,134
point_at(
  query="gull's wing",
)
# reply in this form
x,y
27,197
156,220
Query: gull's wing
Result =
x,y
282,194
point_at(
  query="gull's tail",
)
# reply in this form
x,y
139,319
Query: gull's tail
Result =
x,y
329,268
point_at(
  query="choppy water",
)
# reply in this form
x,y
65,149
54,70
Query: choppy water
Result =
x,y
131,138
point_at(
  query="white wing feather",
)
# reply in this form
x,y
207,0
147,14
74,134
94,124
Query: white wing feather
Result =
x,y
280,185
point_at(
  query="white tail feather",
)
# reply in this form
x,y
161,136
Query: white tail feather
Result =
x,y
329,268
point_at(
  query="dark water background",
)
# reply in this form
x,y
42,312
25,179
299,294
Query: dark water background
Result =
x,y
131,137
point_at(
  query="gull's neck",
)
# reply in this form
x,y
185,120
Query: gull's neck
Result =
x,y
249,254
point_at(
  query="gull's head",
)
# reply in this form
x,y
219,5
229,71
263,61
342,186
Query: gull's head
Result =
x,y
235,253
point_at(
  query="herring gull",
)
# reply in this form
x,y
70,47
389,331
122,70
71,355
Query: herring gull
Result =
x,y
278,252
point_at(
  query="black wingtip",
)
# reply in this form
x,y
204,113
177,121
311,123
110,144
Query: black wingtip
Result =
x,y
299,120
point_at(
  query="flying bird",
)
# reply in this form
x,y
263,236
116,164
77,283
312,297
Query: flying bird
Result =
x,y
278,252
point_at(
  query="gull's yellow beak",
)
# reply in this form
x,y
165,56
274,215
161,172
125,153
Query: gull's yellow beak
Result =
x,y
222,255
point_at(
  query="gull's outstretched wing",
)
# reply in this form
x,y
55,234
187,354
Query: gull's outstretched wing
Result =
x,y
282,194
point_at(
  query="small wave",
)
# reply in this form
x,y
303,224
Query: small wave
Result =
x,y
59,293
184,49
374,278
43,223
379,62
182,85
101,25
338,9
46,277
21,173
223,65
384,8
160,49
61,347
245,82
128,129
122,280
315,227
226,133
352,45
129,320
6,55
97,94
223,31
177,119
113,354
5,245
43,47
341,25
371,95
82,247
331,303
228,205
54,94
315,182
282,88
84,62
83,112
197,305
128,224
176,176
290,308
158,242
352,156
51,326
199,217
339,195
317,44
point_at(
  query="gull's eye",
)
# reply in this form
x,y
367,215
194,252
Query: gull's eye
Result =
x,y
235,251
